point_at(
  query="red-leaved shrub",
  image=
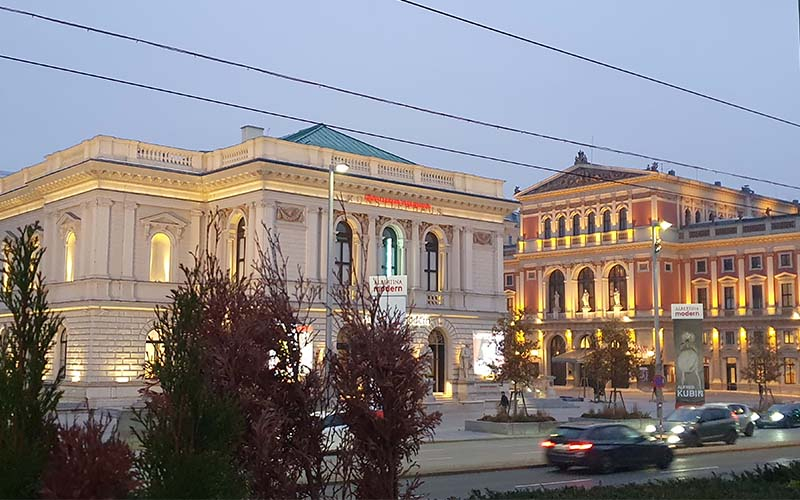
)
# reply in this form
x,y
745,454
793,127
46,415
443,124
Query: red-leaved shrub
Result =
x,y
89,461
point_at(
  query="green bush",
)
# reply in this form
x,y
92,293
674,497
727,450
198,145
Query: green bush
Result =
x,y
501,417
765,482
616,413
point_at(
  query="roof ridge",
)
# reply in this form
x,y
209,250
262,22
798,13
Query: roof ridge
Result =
x,y
324,136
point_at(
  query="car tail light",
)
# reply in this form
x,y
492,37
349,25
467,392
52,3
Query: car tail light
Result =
x,y
734,416
579,446
548,444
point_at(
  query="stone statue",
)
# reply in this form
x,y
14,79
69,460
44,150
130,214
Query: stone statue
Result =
x,y
585,299
581,158
465,362
556,302
616,298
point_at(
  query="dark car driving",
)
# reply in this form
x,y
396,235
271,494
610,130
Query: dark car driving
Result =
x,y
691,426
604,448
780,415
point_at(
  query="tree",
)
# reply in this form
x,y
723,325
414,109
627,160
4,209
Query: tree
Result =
x,y
27,403
614,357
517,340
382,385
763,367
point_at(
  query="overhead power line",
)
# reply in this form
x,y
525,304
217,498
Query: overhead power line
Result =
x,y
383,100
358,131
601,63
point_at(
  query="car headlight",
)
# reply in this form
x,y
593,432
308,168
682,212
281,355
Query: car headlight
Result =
x,y
755,416
776,417
650,428
678,429
673,439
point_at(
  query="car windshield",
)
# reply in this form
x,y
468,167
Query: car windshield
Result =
x,y
779,408
563,434
684,415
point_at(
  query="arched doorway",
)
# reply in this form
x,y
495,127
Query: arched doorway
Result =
x,y
436,343
558,370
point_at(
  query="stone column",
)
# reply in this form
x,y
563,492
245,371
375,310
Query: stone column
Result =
x,y
498,263
250,230
101,237
129,239
631,287
714,289
372,244
53,240
455,273
413,248
742,288
467,264
770,284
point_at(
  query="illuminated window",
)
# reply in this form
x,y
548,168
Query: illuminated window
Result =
x,y
343,265
432,262
787,294
69,257
153,350
160,254
591,224
622,224
576,225
240,249
788,337
789,371
389,253
586,342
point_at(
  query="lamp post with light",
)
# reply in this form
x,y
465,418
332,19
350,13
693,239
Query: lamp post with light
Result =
x,y
662,225
340,168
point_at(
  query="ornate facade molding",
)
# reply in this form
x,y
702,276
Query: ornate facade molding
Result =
x,y
68,222
482,238
164,221
290,213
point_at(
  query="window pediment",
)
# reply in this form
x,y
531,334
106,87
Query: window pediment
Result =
x,y
164,221
68,222
785,276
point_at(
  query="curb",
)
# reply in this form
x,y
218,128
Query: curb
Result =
x,y
686,452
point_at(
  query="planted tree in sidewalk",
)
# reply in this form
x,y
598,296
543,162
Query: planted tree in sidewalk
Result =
x,y
613,358
517,341
382,384
763,367
27,403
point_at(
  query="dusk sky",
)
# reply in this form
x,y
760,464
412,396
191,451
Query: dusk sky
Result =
x,y
742,51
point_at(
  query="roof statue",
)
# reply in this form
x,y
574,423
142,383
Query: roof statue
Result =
x,y
581,159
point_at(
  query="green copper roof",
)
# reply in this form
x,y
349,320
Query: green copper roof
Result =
x,y
324,137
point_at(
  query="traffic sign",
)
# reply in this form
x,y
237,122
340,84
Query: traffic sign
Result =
x,y
658,380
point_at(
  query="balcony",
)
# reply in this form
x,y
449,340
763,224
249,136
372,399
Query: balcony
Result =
x,y
610,238
722,229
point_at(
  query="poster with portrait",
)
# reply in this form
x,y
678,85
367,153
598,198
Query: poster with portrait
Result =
x,y
687,328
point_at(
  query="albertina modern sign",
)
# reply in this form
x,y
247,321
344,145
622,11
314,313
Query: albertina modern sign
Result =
x,y
687,327
392,290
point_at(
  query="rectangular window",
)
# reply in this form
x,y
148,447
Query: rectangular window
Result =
x,y
509,280
530,275
755,262
700,266
728,298
727,264
510,303
667,267
785,260
789,371
788,337
757,338
702,297
787,294
758,296
730,338
643,267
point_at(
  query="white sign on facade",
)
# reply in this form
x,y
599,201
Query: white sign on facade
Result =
x,y
392,290
484,353
687,311
306,340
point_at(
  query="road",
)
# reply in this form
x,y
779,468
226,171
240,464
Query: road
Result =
x,y
705,464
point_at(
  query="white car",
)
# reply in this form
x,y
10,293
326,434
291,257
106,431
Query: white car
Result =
x,y
333,431
745,417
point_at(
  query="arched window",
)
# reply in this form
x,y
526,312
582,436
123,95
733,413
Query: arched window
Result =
x,y
432,262
438,363
548,229
586,342
697,217
617,287
555,289
687,217
607,221
160,255
622,223
591,224
576,225
343,264
69,257
153,350
240,249
586,289
389,253
562,226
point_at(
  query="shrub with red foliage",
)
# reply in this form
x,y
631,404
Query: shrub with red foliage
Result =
x,y
89,461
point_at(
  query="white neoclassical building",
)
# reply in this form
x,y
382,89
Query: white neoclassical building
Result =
x,y
119,216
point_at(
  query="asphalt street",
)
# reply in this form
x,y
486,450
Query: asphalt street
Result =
x,y
684,466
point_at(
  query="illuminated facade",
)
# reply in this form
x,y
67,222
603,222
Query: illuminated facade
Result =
x,y
585,253
120,216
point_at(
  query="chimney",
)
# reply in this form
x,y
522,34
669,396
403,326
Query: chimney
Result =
x,y
251,132
718,183
671,172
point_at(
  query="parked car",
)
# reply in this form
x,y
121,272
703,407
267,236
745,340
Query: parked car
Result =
x,y
604,448
694,426
781,415
745,417
335,430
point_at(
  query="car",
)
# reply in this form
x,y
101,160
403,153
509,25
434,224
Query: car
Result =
x,y
335,431
604,448
780,415
695,426
745,417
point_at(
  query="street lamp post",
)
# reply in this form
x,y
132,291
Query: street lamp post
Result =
x,y
663,225
340,168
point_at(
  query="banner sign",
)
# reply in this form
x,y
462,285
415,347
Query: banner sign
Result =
x,y
687,327
393,292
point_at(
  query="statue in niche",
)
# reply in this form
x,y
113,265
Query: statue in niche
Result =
x,y
556,302
585,299
465,362
616,298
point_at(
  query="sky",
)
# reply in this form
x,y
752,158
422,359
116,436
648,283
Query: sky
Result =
x,y
738,50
